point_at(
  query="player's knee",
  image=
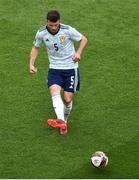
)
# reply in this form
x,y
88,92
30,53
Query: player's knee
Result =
x,y
67,100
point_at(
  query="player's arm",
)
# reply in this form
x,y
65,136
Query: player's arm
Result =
x,y
82,45
33,55
34,52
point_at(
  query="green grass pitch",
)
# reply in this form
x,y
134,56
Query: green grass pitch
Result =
x,y
105,114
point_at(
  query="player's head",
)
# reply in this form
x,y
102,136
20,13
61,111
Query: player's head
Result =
x,y
53,16
53,20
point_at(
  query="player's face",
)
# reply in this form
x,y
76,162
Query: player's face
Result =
x,y
53,26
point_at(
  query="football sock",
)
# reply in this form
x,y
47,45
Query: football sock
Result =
x,y
67,110
58,106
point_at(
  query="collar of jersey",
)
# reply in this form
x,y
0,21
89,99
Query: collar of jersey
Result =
x,y
51,32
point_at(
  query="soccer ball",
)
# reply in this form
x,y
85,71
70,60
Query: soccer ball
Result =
x,y
99,159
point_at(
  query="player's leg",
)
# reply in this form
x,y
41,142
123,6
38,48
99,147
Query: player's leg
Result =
x,y
58,107
57,102
68,96
67,109
71,85
54,84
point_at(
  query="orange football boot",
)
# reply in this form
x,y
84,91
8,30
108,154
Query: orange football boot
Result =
x,y
57,123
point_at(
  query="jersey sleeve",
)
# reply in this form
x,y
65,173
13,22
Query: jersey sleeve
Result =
x,y
38,40
74,34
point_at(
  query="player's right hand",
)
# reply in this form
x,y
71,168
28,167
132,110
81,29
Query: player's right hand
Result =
x,y
32,69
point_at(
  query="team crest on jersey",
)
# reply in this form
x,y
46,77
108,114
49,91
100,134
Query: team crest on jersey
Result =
x,y
62,39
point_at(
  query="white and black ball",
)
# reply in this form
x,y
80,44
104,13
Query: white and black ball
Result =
x,y
99,159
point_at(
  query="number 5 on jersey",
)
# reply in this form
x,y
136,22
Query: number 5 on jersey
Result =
x,y
71,82
56,46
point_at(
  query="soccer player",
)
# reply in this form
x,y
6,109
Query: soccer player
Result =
x,y
63,71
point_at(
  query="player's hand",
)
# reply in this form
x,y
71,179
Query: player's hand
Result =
x,y
76,57
32,69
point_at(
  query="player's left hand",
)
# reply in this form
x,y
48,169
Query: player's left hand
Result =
x,y
76,57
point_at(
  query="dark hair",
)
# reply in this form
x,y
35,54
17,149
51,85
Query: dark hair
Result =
x,y
53,16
